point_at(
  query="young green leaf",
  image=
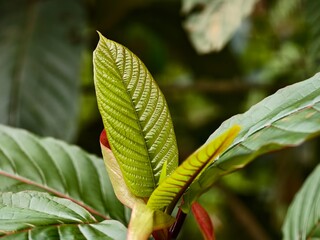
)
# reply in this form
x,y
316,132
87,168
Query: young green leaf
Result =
x,y
31,214
285,119
31,163
169,192
120,188
141,214
145,220
135,116
302,220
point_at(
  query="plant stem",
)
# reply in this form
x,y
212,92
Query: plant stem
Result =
x,y
176,227
161,234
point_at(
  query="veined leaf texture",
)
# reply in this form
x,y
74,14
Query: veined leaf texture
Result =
x,y
135,115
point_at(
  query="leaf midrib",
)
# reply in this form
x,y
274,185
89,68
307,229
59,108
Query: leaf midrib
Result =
x,y
131,102
245,137
34,227
56,193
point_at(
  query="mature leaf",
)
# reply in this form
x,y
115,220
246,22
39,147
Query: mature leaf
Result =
x,y
21,210
135,116
40,45
39,215
302,220
169,192
312,15
211,24
27,162
285,119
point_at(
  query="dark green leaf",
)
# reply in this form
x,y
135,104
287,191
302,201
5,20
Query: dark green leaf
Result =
x,y
302,220
284,119
135,116
38,215
27,162
40,45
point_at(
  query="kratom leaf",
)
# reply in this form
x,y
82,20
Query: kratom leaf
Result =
x,y
285,119
135,116
211,24
163,174
312,16
302,220
28,162
169,192
120,188
36,215
141,215
41,46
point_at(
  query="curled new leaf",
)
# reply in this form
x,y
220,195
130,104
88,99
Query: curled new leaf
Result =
x,y
169,192
135,116
141,215
204,222
120,188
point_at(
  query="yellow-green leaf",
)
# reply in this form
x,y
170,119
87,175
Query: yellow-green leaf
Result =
x,y
169,192
145,220
141,215
120,188
135,116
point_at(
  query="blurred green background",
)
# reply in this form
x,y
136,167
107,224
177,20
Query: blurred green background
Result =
x,y
46,85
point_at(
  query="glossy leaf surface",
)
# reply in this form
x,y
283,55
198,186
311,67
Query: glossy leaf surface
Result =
x,y
135,116
302,220
41,45
285,119
38,215
171,189
31,163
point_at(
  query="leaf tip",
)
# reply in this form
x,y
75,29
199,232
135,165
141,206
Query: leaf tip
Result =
x,y
203,220
101,37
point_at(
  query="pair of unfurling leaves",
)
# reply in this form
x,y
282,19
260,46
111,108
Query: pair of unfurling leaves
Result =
x,y
139,145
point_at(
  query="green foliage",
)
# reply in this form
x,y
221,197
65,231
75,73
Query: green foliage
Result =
x,y
42,46
313,17
302,220
284,119
37,215
40,65
135,116
169,192
213,23
28,162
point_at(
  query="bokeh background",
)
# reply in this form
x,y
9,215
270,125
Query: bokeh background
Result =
x,y
46,83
